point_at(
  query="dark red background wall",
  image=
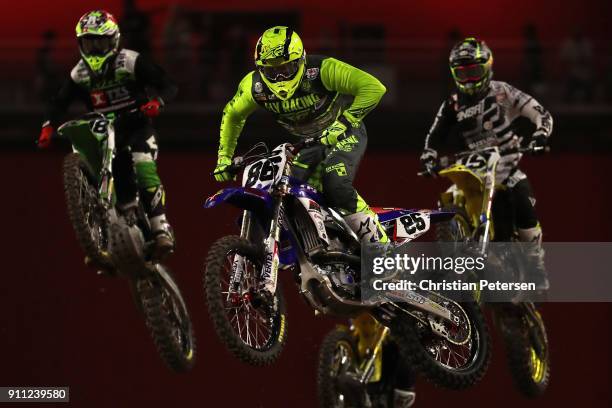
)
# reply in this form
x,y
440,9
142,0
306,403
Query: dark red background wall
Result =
x,y
62,325
419,19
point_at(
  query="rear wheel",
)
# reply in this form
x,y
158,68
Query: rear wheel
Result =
x,y
457,360
253,328
527,352
465,371
88,218
167,318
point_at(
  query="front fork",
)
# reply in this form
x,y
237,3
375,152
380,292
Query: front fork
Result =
x,y
369,366
238,264
485,217
107,185
269,273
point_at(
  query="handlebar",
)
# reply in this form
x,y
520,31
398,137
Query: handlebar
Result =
x,y
444,161
502,152
308,142
57,133
114,116
118,116
240,162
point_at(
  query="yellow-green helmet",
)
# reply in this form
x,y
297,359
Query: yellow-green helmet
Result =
x,y
98,36
280,58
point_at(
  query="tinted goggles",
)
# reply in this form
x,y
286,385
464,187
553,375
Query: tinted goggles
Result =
x,y
469,73
96,45
281,72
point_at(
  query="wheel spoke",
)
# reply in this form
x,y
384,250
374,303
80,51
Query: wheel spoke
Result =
x,y
252,325
248,331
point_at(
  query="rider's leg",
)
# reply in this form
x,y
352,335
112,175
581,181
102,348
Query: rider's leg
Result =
x,y
124,181
503,215
529,230
400,376
306,165
152,193
339,170
365,222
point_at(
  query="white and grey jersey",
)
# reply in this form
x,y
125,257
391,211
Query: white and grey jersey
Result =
x,y
490,121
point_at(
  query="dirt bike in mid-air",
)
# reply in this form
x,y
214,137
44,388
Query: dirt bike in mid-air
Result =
x,y
117,239
470,198
286,226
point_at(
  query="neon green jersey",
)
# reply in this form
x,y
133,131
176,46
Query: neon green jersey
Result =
x,y
328,88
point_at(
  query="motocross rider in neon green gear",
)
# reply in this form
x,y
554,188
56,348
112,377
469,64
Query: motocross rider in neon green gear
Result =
x,y
310,96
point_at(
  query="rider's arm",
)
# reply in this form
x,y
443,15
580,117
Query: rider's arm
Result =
x,y
58,105
235,114
528,107
153,75
441,126
346,79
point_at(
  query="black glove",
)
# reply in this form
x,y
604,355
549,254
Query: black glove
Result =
x,y
539,143
429,159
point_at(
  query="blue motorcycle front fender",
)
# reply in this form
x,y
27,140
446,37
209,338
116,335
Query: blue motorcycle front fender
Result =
x,y
251,199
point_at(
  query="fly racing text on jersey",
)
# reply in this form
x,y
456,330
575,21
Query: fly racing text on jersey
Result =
x,y
327,88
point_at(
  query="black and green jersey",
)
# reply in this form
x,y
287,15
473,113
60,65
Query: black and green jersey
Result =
x,y
124,85
328,88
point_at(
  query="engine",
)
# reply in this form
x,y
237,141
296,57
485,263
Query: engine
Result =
x,y
344,279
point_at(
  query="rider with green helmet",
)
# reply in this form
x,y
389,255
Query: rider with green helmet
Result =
x,y
110,79
316,97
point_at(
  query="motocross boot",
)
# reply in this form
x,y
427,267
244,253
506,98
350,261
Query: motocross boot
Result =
x,y
164,237
354,392
365,224
154,200
535,255
403,398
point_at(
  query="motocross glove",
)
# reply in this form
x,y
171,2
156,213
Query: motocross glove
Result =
x,y
539,143
428,161
335,132
223,162
152,108
44,140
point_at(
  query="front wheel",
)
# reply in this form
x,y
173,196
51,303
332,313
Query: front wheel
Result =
x,y
88,218
253,328
167,318
338,356
456,361
457,229
527,351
